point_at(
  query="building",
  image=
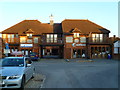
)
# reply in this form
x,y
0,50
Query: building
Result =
x,y
2,44
72,38
116,44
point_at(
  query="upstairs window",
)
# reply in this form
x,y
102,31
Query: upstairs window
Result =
x,y
29,40
22,39
76,35
51,38
83,39
69,39
10,37
29,35
4,36
97,37
35,39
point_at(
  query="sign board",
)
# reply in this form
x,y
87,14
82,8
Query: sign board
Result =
x,y
6,45
26,45
74,44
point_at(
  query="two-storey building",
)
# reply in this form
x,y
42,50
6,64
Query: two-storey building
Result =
x,y
72,38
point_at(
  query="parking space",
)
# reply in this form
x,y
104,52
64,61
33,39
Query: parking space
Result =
x,y
78,73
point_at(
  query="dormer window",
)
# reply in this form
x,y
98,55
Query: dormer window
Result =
x,y
29,35
76,33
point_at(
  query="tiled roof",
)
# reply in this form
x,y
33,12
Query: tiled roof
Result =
x,y
36,26
85,26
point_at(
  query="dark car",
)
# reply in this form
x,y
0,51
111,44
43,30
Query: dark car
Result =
x,y
34,56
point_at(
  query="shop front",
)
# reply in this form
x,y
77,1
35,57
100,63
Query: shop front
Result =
x,y
100,51
75,51
51,51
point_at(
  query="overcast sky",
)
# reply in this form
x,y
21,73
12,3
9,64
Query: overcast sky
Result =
x,y
103,13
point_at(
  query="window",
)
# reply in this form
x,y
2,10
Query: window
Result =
x,y
3,35
16,35
29,35
22,39
76,35
83,39
10,37
69,39
51,38
29,40
35,39
101,37
55,38
115,50
97,37
76,40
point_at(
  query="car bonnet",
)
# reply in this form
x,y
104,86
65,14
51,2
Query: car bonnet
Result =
x,y
11,71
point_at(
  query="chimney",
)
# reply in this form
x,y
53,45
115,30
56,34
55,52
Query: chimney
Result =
x,y
114,37
51,20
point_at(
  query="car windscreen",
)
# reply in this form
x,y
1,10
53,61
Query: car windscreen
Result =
x,y
13,62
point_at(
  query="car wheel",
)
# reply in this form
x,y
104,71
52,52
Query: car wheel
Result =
x,y
22,83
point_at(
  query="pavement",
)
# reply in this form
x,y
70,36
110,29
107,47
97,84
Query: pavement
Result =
x,y
78,73
35,82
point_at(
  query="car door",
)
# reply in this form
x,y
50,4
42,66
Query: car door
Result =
x,y
28,69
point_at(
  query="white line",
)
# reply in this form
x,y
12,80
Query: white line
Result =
x,y
41,86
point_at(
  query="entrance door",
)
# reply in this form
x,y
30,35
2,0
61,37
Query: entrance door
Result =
x,y
78,53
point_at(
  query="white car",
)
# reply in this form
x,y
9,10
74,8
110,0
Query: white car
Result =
x,y
15,72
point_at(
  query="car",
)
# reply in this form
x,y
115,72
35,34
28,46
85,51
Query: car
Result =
x,y
34,56
15,72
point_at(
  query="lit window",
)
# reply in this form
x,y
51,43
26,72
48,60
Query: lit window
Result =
x,y
55,38
29,35
76,35
101,37
51,38
3,35
22,39
76,40
69,39
10,37
97,37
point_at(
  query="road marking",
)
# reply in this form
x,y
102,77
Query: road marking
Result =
x,y
41,86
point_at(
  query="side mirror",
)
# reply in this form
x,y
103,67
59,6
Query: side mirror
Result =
x,y
28,65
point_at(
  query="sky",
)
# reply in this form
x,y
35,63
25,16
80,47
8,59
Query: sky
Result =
x,y
103,12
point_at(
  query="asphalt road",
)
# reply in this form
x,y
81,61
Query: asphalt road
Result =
x,y
78,74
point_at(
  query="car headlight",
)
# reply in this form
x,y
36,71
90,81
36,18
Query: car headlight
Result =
x,y
14,77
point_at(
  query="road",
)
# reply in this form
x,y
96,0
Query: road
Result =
x,y
76,74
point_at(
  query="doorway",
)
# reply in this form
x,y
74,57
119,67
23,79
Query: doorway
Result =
x,y
52,52
78,53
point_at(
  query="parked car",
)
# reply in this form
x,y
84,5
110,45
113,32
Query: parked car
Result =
x,y
34,56
15,72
